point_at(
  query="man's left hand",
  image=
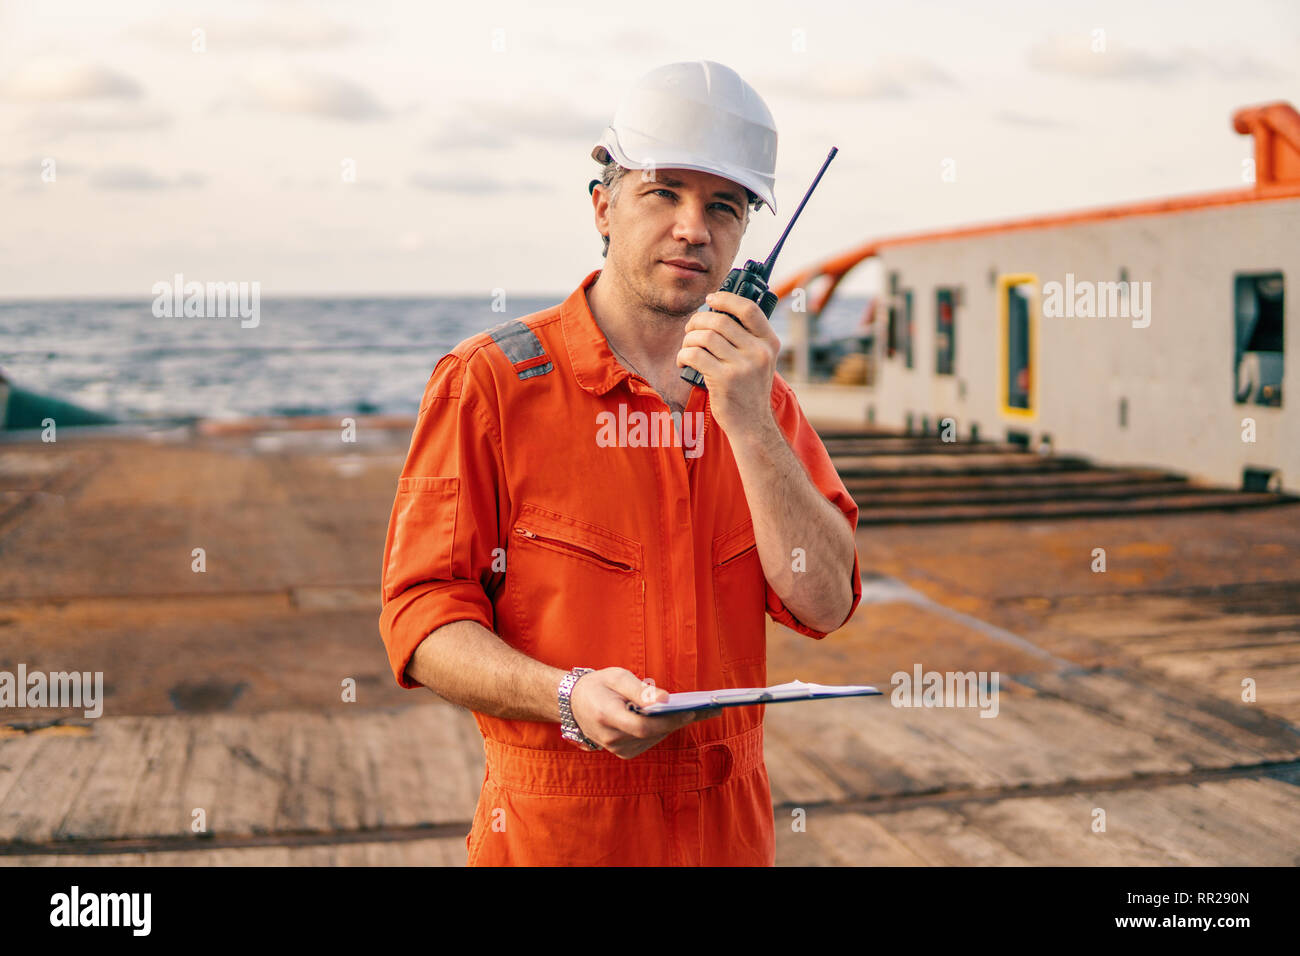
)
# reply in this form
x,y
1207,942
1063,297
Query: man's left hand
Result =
x,y
737,360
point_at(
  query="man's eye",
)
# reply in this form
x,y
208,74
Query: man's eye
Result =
x,y
720,205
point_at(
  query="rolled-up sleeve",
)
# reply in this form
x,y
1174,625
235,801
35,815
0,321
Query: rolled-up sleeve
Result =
x,y
443,534
808,448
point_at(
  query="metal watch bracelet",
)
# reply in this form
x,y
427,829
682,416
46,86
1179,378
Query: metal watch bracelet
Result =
x,y
569,729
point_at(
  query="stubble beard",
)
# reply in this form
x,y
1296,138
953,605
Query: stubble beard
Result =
x,y
669,303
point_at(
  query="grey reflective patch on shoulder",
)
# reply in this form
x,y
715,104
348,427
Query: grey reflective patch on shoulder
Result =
x,y
536,370
522,348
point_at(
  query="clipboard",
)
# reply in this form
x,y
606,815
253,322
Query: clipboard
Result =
x,y
748,696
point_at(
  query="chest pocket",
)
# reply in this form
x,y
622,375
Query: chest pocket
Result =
x,y
740,602
577,591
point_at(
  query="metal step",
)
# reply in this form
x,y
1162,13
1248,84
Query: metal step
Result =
x,y
1216,501
1061,479
901,479
906,495
901,466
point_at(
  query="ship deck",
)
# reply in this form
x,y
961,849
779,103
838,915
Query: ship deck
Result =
x,y
1120,690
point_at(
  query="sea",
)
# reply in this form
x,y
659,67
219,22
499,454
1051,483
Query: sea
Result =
x,y
304,356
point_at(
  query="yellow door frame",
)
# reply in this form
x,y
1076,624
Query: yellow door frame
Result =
x,y
1005,282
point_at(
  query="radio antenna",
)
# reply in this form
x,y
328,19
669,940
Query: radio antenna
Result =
x,y
771,259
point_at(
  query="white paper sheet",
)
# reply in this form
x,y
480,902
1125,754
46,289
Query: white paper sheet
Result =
x,y
738,696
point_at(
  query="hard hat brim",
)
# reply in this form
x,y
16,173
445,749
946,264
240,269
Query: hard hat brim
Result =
x,y
608,149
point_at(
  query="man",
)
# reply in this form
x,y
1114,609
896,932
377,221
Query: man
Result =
x,y
551,560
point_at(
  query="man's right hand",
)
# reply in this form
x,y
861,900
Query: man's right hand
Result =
x,y
599,703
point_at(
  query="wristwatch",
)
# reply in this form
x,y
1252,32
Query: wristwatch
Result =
x,y
569,729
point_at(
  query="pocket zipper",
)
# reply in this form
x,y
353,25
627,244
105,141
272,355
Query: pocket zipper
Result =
x,y
737,556
577,549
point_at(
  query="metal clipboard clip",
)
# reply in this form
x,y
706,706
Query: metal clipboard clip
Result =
x,y
723,697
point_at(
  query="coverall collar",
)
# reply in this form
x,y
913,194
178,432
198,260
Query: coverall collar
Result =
x,y
592,360
590,356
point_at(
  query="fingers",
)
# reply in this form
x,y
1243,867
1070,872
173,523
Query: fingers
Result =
x,y
661,726
651,725
668,723
664,724
721,325
743,310
624,682
600,707
699,359
606,698
713,342
600,701
635,746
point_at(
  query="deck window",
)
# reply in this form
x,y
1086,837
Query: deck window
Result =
x,y
898,336
945,329
1258,345
1017,314
900,324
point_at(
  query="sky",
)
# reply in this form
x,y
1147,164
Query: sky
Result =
x,y
412,148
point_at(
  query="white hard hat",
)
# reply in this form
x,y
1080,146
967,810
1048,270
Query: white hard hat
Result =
x,y
695,115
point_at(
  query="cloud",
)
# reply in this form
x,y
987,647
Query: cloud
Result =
x,y
1229,67
302,31
34,163
1028,120
28,176
889,78
128,177
467,134
1074,55
311,94
56,80
61,121
474,185
495,124
629,40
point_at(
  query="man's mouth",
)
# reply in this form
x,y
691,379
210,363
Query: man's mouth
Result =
x,y
686,267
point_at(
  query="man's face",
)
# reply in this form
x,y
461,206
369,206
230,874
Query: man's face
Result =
x,y
679,214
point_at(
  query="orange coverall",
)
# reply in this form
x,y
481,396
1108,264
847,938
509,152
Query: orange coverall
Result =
x,y
638,556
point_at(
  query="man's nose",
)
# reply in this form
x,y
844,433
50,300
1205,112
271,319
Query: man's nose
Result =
x,y
691,226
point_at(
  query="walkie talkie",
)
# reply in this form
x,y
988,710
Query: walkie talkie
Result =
x,y
751,281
